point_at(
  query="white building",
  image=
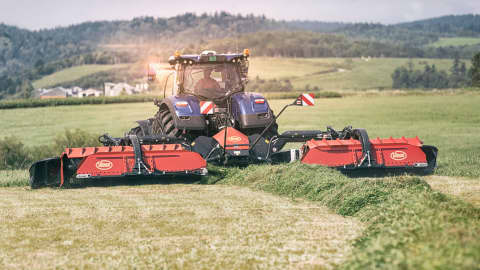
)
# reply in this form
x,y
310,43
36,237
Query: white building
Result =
x,y
115,89
141,87
89,93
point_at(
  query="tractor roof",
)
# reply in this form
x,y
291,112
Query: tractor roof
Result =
x,y
206,57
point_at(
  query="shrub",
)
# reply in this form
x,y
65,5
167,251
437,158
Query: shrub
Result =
x,y
13,154
75,138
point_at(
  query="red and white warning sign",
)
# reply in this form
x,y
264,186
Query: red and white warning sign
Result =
x,y
206,107
305,100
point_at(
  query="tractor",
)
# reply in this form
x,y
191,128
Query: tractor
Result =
x,y
206,116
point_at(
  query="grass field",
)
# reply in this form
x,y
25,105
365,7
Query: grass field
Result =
x,y
449,122
350,74
73,73
398,222
324,73
456,41
167,226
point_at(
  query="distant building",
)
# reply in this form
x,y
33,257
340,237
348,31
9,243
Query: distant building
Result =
x,y
58,92
116,89
89,93
142,87
76,90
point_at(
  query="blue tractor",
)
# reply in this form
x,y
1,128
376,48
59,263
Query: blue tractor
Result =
x,y
207,100
208,109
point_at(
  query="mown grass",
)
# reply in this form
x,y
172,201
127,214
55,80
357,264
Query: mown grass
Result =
x,y
455,41
409,225
174,226
72,74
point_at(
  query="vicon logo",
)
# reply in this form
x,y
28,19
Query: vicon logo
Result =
x,y
234,139
104,165
398,155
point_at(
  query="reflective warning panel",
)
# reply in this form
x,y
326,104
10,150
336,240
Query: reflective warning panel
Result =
x,y
305,100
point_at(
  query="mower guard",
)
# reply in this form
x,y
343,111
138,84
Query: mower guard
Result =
x,y
116,162
376,153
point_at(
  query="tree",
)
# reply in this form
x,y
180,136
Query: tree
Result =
x,y
26,89
455,69
475,71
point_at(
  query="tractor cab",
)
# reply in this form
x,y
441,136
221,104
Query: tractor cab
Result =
x,y
208,76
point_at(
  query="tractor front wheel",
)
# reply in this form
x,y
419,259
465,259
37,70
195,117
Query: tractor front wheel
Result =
x,y
163,124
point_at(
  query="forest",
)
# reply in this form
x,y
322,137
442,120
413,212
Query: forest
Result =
x,y
27,55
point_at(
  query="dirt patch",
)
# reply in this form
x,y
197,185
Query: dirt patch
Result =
x,y
168,226
465,188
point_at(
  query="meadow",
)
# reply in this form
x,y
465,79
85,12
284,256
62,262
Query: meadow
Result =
x,y
284,216
451,122
456,41
73,73
325,73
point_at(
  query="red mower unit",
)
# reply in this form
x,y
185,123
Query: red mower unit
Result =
x,y
208,117
120,158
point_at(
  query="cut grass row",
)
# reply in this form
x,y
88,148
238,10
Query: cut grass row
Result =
x,y
409,225
174,226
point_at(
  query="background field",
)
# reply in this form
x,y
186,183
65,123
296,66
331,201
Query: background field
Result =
x,y
73,73
344,73
451,122
324,73
456,41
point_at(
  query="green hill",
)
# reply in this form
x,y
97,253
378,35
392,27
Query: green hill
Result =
x,y
336,73
72,74
456,42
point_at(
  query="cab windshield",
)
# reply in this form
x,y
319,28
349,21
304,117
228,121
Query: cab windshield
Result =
x,y
211,81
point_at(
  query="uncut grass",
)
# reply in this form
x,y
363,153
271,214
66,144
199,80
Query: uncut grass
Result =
x,y
409,225
450,122
14,178
168,226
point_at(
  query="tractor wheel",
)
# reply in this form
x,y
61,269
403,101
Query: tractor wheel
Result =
x,y
164,124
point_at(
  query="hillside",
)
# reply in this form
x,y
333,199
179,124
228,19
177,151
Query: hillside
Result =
x,y
26,56
319,73
20,48
72,74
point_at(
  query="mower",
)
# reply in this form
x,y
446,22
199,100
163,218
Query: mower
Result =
x,y
207,117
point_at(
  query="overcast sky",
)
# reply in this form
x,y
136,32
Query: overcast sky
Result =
x,y
36,14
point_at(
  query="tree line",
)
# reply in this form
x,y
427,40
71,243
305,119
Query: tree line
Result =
x,y
28,55
432,78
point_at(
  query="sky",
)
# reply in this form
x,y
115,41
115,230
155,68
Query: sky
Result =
x,y
39,14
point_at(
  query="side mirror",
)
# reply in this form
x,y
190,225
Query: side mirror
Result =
x,y
305,100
